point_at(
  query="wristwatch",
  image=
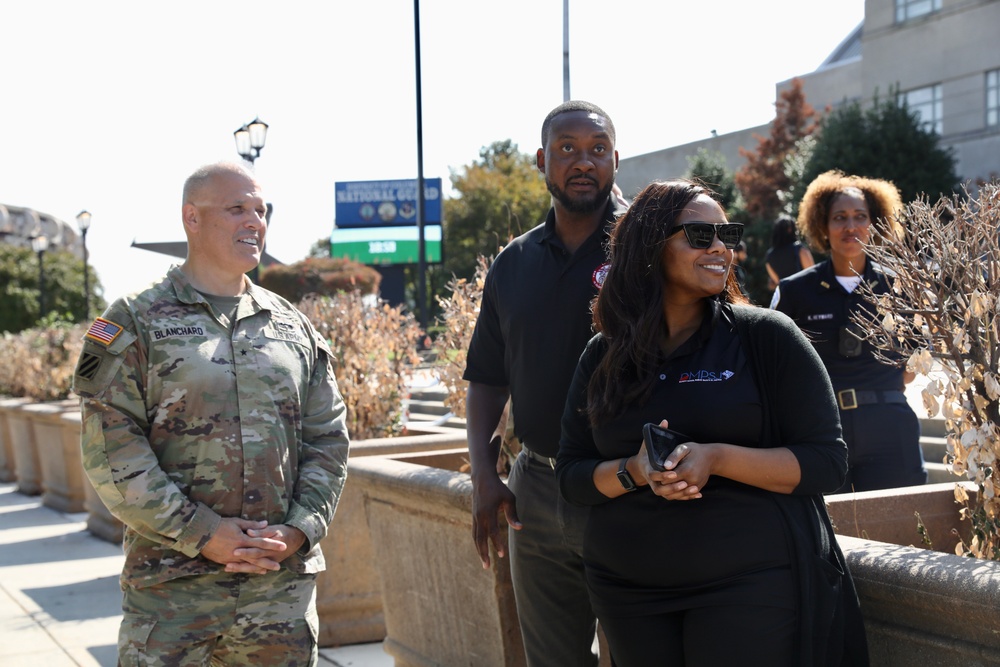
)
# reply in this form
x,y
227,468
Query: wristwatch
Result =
x,y
625,478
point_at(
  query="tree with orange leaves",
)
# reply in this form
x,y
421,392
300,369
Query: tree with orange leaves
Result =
x,y
763,176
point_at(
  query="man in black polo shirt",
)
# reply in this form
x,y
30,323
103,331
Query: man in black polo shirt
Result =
x,y
533,325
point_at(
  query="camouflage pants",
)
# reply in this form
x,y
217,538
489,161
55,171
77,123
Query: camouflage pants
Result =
x,y
221,619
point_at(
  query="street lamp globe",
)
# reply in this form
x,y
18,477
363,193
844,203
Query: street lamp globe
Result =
x,y
250,139
83,221
39,244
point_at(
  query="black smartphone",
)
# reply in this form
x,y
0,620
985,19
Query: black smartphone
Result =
x,y
660,442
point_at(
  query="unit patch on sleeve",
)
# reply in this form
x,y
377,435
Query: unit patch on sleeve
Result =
x,y
103,331
88,366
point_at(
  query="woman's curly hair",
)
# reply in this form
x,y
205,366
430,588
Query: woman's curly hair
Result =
x,y
628,310
882,197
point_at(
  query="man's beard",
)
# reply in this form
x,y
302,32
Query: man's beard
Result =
x,y
583,203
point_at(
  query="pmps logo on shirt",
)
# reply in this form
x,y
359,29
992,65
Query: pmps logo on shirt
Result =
x,y
600,273
705,376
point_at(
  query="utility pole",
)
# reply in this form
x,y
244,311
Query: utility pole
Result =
x,y
566,96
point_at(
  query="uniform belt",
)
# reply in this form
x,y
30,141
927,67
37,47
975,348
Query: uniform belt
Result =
x,y
547,460
848,399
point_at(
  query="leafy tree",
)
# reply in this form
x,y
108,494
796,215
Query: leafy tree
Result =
x,y
709,167
888,141
499,197
763,177
64,295
321,248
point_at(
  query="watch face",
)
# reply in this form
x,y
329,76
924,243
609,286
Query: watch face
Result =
x,y
626,479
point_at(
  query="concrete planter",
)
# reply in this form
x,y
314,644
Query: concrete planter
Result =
x,y
57,439
100,522
27,467
8,469
348,596
36,437
441,607
921,607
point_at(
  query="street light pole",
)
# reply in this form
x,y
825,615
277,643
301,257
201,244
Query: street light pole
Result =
x,y
39,245
83,222
249,143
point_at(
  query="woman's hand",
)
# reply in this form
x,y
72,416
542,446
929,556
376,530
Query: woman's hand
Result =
x,y
687,471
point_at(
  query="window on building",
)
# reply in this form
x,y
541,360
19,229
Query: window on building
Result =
x,y
928,105
993,98
911,9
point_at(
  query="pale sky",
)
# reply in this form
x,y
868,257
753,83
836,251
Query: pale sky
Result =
x,y
108,105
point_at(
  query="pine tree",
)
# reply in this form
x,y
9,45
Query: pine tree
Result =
x,y
886,141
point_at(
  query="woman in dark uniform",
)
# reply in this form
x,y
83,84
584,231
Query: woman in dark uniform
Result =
x,y
880,427
727,556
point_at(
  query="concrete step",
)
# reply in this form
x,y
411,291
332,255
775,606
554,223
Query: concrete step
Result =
x,y
934,448
415,419
933,426
426,407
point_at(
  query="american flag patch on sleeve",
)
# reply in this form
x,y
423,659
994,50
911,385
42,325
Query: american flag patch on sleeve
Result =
x,y
103,331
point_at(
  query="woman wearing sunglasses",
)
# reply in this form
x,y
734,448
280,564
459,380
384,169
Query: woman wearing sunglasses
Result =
x,y
882,431
726,556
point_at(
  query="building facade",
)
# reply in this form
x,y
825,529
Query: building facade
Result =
x,y
941,56
18,225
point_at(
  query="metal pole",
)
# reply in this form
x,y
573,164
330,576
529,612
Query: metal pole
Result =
x,y
86,280
566,96
421,263
41,285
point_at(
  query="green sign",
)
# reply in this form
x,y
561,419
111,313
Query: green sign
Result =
x,y
386,245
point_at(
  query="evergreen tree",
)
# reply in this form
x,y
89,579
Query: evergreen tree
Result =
x,y
20,296
888,141
709,168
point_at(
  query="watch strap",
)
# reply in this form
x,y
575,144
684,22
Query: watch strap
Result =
x,y
624,477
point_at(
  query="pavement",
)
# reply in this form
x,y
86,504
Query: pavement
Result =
x,y
60,603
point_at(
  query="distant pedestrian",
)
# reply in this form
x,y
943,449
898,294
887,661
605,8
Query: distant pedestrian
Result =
x,y
787,255
214,430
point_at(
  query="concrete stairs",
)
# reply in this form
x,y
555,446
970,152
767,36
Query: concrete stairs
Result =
x,y
426,411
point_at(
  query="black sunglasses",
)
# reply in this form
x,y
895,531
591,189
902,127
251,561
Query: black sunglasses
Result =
x,y
700,235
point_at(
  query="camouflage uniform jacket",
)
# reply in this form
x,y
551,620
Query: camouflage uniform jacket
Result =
x,y
187,420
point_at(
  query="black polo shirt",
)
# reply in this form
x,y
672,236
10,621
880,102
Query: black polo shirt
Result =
x,y
535,321
821,306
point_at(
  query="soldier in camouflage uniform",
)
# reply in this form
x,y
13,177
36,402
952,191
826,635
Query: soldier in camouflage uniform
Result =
x,y
214,429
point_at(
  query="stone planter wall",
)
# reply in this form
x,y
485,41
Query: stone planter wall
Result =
x,y
60,460
889,515
926,608
921,607
8,466
348,596
441,607
27,467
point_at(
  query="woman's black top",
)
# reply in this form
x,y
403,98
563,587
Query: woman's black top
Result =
x,y
785,260
645,554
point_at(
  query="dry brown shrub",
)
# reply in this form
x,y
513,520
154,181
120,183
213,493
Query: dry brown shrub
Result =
x,y
39,363
374,348
458,320
943,314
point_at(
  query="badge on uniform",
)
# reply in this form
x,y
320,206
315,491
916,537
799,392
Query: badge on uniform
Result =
x,y
103,331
